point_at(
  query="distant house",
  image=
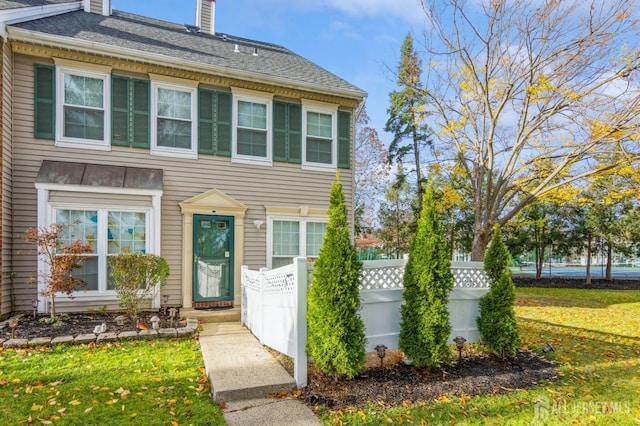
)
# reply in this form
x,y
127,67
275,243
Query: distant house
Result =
x,y
211,150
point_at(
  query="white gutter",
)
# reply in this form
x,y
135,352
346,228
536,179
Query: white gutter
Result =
x,y
29,36
22,14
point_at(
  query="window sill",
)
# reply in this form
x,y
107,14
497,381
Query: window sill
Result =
x,y
256,161
317,167
96,146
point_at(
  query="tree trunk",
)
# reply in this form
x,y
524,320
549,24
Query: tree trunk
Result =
x,y
481,240
609,261
587,277
539,260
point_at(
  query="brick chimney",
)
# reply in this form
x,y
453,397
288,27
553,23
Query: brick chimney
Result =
x,y
206,16
101,7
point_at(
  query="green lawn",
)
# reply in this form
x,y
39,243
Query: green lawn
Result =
x,y
596,334
161,382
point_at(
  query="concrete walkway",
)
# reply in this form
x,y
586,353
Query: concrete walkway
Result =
x,y
242,375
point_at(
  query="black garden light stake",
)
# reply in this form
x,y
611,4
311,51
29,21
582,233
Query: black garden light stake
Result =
x,y
382,352
459,341
548,347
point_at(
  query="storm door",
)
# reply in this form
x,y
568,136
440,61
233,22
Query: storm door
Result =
x,y
212,258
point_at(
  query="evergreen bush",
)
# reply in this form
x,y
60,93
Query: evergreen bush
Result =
x,y
497,320
135,276
336,339
425,328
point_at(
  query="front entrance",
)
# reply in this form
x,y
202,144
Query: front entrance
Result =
x,y
213,258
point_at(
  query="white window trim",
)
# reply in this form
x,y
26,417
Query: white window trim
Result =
x,y
166,151
302,220
255,97
322,108
45,219
69,142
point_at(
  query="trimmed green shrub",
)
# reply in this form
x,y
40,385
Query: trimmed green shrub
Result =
x,y
425,328
135,276
497,320
336,339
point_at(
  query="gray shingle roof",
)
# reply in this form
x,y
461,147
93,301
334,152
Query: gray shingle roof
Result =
x,y
153,36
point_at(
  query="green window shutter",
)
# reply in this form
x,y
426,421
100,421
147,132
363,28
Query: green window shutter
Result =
x,y
287,132
44,117
280,142
295,133
141,113
223,124
344,140
119,111
205,121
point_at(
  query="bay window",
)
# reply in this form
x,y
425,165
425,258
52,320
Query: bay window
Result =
x,y
108,232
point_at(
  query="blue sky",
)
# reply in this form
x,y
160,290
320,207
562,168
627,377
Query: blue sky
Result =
x,y
358,40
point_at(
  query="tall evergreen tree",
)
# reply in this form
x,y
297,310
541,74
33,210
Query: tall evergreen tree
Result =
x,y
407,113
497,321
336,339
425,328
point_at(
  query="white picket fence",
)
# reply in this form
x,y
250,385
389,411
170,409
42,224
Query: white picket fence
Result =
x,y
274,305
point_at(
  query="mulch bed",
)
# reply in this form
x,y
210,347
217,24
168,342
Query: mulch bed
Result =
x,y
74,324
397,384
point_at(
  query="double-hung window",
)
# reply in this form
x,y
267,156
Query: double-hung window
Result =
x,y
82,109
291,238
108,232
173,126
319,124
252,127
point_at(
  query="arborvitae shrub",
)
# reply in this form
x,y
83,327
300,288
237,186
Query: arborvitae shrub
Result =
x,y
336,339
425,328
497,320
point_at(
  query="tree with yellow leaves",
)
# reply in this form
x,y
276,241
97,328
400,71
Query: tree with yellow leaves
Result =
x,y
525,96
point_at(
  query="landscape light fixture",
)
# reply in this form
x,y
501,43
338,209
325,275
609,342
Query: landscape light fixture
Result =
x,y
548,347
382,352
165,300
172,314
13,324
459,341
34,305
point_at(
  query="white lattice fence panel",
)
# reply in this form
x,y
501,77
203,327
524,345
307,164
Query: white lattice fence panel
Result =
x,y
280,282
382,278
470,278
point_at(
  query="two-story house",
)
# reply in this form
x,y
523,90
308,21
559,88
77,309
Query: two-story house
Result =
x,y
211,150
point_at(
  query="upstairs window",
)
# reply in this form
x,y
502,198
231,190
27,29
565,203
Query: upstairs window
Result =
x,y
320,137
82,109
252,128
173,124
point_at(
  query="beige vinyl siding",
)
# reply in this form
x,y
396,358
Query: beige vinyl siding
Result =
x,y
255,186
5,181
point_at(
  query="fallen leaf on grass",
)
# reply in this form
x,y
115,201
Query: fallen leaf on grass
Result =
x,y
75,402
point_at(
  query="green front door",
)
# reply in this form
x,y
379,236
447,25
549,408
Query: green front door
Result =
x,y
212,258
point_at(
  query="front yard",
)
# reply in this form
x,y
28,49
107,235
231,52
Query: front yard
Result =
x,y
596,335
159,382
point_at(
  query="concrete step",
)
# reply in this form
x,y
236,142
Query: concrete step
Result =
x,y
212,316
238,366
